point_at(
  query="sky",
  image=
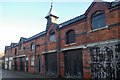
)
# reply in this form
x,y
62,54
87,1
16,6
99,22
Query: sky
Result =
x,y
25,18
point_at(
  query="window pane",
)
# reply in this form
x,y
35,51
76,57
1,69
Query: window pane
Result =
x,y
95,25
98,21
102,22
70,37
33,47
52,38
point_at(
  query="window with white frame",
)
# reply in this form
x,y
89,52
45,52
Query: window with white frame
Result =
x,y
32,61
33,47
98,20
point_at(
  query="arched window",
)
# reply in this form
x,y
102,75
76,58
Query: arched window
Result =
x,y
33,46
98,20
52,36
70,37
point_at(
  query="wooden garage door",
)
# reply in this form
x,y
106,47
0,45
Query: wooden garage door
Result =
x,y
73,64
22,64
15,63
51,64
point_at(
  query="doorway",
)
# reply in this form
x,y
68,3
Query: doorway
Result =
x,y
73,64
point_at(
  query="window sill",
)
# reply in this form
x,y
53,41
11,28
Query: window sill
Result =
x,y
98,29
70,44
52,41
21,50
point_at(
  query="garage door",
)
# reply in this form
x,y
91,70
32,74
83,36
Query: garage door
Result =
x,y
73,64
51,64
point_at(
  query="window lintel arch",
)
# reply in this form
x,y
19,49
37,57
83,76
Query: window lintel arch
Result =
x,y
51,31
98,12
70,30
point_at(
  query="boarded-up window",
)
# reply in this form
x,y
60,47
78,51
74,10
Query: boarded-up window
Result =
x,y
70,37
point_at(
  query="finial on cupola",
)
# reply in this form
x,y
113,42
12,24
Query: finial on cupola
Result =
x,y
51,16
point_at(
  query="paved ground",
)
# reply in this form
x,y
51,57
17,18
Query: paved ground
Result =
x,y
19,75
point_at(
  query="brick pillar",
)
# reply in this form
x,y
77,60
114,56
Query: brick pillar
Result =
x,y
62,64
43,65
86,63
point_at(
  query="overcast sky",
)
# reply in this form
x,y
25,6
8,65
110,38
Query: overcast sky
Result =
x,y
25,18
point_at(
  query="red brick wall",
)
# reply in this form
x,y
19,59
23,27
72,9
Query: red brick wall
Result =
x,y
85,26
86,63
79,27
31,69
43,65
62,64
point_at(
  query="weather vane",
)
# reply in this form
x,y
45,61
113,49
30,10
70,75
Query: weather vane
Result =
x,y
51,3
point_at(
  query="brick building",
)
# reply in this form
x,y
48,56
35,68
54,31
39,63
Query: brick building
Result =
x,y
86,46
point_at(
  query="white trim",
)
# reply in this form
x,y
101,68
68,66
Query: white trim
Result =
x,y
103,42
6,59
74,47
70,44
10,58
91,44
49,52
85,45
93,30
19,56
27,58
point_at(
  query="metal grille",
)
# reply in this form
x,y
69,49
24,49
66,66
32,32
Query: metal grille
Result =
x,y
105,62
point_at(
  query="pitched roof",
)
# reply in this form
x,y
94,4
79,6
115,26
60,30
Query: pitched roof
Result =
x,y
78,18
13,44
113,4
22,39
35,36
7,47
